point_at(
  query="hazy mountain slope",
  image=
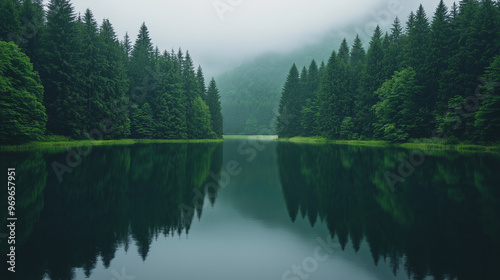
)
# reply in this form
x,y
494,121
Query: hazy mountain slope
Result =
x,y
250,93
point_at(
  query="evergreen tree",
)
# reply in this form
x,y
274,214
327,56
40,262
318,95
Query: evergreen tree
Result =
x,y
172,116
141,74
141,66
321,70
308,118
485,35
200,81
143,126
113,82
308,114
372,78
345,93
213,102
416,55
22,115
476,38
393,53
358,53
10,25
461,75
304,78
396,111
191,92
327,96
288,119
59,56
487,122
313,80
343,54
440,52
202,119
126,46
32,14
358,60
90,70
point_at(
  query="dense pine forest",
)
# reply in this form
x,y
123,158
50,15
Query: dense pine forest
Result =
x,y
63,74
433,78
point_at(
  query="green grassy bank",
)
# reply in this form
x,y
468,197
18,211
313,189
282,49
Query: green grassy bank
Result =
x,y
412,144
67,143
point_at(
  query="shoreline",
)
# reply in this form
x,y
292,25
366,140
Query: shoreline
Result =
x,y
299,139
406,145
75,143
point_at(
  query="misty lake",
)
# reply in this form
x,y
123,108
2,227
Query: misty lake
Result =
x,y
254,209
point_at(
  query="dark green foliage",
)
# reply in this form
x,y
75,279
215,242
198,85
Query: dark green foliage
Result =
x,y
372,78
396,112
326,99
143,125
10,25
308,113
141,69
313,79
487,120
213,102
394,51
288,122
200,81
202,120
126,46
417,81
22,115
416,55
439,52
90,69
58,70
170,115
112,83
96,86
33,16
191,92
343,55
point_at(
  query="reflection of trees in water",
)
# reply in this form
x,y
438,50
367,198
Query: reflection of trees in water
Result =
x,y
30,182
442,221
116,193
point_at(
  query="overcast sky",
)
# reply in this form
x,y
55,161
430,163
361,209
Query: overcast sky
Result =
x,y
220,34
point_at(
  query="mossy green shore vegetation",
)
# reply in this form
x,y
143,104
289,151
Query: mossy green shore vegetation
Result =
x,y
440,144
64,143
432,143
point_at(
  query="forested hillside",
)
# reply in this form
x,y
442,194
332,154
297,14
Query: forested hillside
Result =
x,y
66,75
433,77
250,93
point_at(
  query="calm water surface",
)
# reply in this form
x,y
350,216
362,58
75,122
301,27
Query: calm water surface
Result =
x,y
254,209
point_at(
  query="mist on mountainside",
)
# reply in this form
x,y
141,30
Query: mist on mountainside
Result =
x,y
250,93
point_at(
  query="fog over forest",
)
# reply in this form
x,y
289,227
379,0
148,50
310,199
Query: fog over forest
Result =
x,y
221,34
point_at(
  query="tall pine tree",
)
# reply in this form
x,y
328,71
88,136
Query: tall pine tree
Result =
x,y
59,56
289,111
372,78
213,102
